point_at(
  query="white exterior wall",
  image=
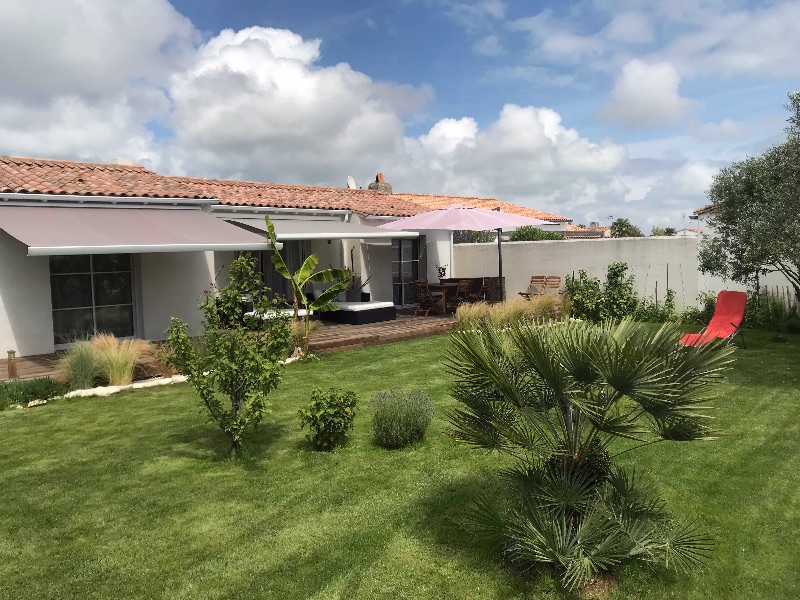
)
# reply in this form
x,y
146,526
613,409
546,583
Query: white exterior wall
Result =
x,y
439,249
26,317
371,259
648,260
171,285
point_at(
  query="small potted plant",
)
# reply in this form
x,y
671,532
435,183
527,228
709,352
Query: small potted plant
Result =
x,y
441,271
356,293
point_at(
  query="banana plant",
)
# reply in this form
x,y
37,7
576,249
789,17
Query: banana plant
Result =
x,y
306,275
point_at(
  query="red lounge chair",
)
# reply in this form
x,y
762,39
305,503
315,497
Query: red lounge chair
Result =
x,y
728,316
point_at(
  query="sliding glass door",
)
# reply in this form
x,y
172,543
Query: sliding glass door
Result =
x,y
405,269
91,294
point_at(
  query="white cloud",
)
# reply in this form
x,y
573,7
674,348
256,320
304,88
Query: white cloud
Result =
x,y
646,95
725,130
761,41
258,105
629,28
90,49
488,46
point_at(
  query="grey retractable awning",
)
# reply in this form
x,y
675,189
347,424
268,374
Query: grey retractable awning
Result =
x,y
320,229
50,231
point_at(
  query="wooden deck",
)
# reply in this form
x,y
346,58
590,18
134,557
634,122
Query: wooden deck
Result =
x,y
328,337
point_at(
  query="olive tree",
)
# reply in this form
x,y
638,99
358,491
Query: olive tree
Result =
x,y
756,202
237,361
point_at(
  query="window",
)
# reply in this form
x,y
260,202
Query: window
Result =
x,y
405,269
91,294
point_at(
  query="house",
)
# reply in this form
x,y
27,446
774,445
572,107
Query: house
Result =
x,y
594,231
116,247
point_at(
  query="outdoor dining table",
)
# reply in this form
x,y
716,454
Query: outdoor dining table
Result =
x,y
443,286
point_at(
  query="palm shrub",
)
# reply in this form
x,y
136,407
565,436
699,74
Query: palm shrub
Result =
x,y
239,361
400,418
558,400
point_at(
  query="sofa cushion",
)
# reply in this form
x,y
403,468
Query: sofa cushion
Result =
x,y
359,306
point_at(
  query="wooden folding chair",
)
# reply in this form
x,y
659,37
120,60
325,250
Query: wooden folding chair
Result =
x,y
427,299
484,292
536,286
461,295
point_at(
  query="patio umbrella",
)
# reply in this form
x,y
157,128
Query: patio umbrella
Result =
x,y
464,218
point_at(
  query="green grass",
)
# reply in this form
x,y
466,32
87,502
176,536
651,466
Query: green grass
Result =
x,y
131,496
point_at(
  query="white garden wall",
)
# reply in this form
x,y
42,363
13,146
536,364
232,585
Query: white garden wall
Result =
x,y
655,262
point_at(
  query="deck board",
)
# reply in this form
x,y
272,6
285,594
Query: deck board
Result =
x,y
327,337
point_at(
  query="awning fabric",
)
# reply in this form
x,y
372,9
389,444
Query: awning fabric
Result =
x,y
50,231
320,229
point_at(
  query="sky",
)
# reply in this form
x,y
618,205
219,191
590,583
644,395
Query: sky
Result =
x,y
591,109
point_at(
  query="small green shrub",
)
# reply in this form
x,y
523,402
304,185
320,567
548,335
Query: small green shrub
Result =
x,y
78,367
650,311
400,418
529,233
474,237
614,301
329,417
23,391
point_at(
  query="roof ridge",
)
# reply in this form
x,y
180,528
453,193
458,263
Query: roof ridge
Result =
x,y
246,183
56,162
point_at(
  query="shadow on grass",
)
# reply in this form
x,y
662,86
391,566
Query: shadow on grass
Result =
x,y
442,518
208,442
336,567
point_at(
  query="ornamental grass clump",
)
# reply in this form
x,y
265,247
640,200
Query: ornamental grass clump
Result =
x,y
400,418
78,367
558,401
512,312
118,359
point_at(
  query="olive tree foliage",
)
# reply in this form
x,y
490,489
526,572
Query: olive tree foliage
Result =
x,y
755,222
622,228
562,402
529,233
238,360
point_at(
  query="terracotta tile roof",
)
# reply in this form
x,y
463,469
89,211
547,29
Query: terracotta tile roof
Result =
x,y
284,195
39,176
432,202
705,209
42,176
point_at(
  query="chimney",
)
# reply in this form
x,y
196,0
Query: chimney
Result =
x,y
594,226
380,185
124,162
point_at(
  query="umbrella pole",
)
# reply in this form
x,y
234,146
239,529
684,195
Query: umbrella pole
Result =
x,y
500,263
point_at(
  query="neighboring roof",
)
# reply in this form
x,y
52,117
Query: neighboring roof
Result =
x,y
285,195
38,176
434,201
705,209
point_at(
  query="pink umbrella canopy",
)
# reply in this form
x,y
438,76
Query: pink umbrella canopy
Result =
x,y
462,218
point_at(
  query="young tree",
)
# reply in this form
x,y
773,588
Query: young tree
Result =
x,y
665,231
238,357
529,233
306,275
756,203
622,228
557,401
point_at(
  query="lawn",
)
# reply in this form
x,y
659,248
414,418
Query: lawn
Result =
x,y
131,496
